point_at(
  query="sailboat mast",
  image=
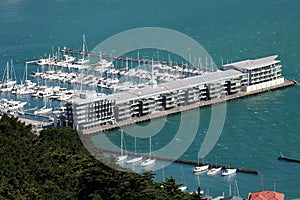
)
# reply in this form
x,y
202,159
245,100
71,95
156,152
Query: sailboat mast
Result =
x,y
135,145
26,68
150,148
7,71
83,46
11,69
121,142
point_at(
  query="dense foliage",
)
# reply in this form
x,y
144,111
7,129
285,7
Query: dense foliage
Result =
x,y
55,165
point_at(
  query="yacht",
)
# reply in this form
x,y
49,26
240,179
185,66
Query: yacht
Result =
x,y
227,172
214,171
200,168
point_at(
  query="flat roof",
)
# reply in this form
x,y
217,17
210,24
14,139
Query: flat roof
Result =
x,y
254,64
146,91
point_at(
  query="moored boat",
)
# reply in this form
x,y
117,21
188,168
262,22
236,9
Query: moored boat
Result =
x,y
227,172
200,168
134,160
214,171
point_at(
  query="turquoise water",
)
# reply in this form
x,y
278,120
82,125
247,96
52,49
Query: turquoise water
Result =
x,y
256,128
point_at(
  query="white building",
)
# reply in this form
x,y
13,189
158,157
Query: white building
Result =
x,y
262,72
92,111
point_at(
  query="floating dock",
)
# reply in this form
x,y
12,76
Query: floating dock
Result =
x,y
122,58
188,162
135,120
281,157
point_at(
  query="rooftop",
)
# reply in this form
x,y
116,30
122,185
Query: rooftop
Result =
x,y
270,195
254,64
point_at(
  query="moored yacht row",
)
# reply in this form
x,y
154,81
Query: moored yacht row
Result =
x,y
214,170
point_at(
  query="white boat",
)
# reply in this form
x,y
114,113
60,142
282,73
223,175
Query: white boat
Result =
x,y
136,159
149,161
227,172
123,156
200,168
214,171
7,81
183,186
43,61
43,110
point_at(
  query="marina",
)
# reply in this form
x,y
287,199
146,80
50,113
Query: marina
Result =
x,y
200,90
256,128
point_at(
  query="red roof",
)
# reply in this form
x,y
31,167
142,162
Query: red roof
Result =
x,y
266,195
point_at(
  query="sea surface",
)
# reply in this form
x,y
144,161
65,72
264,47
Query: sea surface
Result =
x,y
256,128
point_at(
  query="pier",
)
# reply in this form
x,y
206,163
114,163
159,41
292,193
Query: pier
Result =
x,y
200,104
188,162
281,157
121,58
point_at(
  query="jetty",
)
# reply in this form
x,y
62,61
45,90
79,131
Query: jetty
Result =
x,y
281,157
188,162
176,110
122,58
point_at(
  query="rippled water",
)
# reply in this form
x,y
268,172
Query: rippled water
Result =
x,y
256,128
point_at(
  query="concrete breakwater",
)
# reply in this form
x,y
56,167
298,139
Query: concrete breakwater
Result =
x,y
188,162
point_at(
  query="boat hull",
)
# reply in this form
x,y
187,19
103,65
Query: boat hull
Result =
x,y
148,162
200,169
134,160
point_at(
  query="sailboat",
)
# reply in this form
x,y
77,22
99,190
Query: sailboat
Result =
x,y
200,168
149,161
136,159
214,170
25,87
8,82
82,62
43,110
183,187
123,156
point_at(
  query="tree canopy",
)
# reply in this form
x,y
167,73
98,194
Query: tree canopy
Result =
x,y
56,165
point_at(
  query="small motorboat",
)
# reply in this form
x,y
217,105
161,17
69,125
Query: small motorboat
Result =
x,y
227,172
200,168
214,171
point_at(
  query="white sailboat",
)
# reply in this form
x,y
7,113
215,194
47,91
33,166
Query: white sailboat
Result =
x,y
26,86
43,110
82,63
183,187
123,156
214,171
7,82
149,161
200,168
227,172
136,159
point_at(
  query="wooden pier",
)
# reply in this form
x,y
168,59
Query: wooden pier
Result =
x,y
188,162
200,104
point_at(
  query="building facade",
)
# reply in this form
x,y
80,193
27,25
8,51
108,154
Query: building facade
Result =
x,y
92,111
